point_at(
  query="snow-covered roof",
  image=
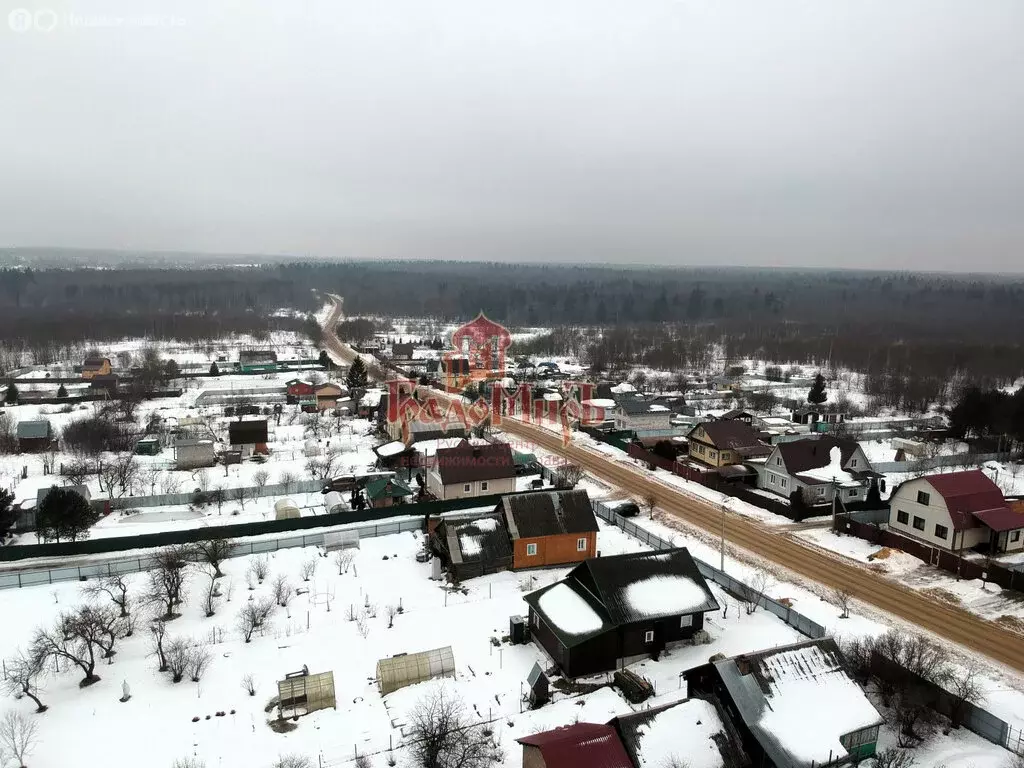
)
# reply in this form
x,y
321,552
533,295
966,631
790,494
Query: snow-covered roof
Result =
x,y
658,408
564,607
391,449
664,595
686,731
798,701
372,398
600,402
878,451
623,388
832,472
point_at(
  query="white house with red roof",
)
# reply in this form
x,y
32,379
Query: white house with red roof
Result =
x,y
956,511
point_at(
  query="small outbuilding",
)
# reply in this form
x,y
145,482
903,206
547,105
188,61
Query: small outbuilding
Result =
x,y
34,436
472,546
334,502
190,453
286,509
411,668
148,446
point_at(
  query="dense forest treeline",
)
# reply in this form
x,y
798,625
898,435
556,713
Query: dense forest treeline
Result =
x,y
885,323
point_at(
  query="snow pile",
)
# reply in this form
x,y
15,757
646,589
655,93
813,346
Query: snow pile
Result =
x,y
812,702
685,731
568,611
664,595
485,524
470,545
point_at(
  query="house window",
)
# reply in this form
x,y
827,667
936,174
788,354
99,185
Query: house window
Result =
x,y
531,550
821,490
581,545
771,479
712,455
648,637
467,488
686,621
1015,536
923,498
483,486
941,531
918,523
852,492
778,461
902,517
853,462
782,482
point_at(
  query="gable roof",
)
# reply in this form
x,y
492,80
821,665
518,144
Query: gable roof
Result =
x,y
966,494
814,453
33,430
481,538
95,363
797,701
733,435
257,356
247,432
735,413
529,515
690,728
606,592
466,463
582,745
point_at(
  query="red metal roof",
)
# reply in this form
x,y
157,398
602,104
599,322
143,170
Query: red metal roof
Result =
x,y
966,493
1001,519
583,745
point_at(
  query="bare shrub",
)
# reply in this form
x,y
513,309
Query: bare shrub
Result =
x,y
260,568
363,625
308,569
392,611
17,737
188,762
443,736
293,761
283,592
894,758
363,761
343,559
753,591
255,615
249,683
177,655
568,476
841,597
199,660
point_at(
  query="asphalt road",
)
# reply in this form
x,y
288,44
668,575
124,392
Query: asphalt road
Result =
x,y
832,571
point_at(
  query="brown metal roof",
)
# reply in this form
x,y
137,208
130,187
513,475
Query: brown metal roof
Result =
x,y
729,434
549,514
466,463
802,455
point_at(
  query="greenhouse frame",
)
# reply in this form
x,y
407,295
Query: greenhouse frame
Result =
x,y
411,668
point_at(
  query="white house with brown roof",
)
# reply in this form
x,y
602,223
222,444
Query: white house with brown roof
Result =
x,y
956,511
823,465
472,470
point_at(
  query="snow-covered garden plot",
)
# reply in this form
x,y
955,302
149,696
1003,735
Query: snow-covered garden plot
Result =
x,y
91,725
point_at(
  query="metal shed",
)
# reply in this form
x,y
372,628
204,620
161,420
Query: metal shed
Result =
x,y
409,669
285,509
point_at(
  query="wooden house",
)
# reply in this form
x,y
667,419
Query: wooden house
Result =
x,y
327,396
387,492
721,443
248,436
472,470
548,529
34,436
472,546
96,366
299,391
613,611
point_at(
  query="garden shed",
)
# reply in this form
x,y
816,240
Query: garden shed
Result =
x,y
285,509
411,668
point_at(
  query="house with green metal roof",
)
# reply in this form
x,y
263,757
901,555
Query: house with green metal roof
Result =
x,y
387,491
35,435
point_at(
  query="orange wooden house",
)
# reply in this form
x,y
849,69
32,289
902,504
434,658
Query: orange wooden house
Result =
x,y
546,529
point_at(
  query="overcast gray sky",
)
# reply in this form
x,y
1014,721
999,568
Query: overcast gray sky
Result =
x,y
855,133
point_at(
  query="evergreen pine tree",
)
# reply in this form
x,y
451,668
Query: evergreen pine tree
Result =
x,y
12,392
357,376
64,514
62,391
214,370
817,395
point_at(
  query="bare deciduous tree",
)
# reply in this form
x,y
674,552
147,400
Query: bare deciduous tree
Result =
x,y
212,592
282,591
650,501
158,634
113,587
255,615
443,736
753,592
841,597
17,737
24,671
166,582
965,687
392,611
213,551
76,637
260,480
287,480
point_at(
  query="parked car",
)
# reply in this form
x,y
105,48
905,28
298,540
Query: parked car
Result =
x,y
627,509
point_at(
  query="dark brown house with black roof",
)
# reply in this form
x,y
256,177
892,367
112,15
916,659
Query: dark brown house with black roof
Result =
x,y
472,470
248,436
547,529
721,443
611,611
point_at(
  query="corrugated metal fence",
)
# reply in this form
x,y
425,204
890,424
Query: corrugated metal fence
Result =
x,y
173,499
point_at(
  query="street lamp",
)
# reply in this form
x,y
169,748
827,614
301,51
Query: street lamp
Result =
x,y
721,562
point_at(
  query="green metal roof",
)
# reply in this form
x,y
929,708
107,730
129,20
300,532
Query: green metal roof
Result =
x,y
376,489
523,458
28,430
